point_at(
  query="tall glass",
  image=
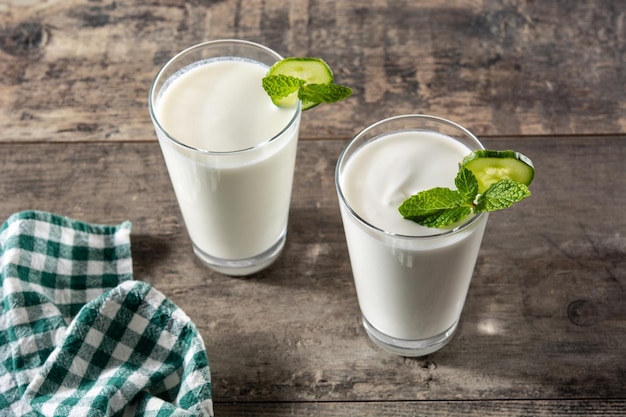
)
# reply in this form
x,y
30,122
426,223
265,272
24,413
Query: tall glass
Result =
x,y
411,281
229,151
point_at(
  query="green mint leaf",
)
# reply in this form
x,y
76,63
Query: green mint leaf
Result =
x,y
279,86
430,203
323,93
467,184
445,217
501,195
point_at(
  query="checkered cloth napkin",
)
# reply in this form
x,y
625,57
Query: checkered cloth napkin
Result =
x,y
80,337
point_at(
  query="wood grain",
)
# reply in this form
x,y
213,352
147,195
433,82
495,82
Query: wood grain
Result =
x,y
544,318
79,70
429,408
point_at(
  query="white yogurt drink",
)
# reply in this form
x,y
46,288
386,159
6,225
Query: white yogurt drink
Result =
x,y
230,152
411,281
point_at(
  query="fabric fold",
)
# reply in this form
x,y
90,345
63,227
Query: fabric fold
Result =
x,y
80,337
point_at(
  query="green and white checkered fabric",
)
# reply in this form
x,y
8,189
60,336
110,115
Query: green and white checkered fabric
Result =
x,y
80,337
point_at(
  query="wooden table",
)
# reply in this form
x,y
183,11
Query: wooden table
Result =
x,y
544,326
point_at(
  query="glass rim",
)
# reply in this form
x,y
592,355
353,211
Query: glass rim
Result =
x,y
153,93
341,160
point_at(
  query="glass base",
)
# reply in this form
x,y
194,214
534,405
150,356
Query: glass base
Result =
x,y
242,267
409,348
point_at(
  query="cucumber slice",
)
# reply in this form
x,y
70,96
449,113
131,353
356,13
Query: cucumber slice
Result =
x,y
311,70
491,166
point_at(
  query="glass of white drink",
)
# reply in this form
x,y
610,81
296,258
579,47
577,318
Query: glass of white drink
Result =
x,y
230,152
411,280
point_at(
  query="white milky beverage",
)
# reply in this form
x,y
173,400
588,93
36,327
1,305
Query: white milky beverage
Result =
x,y
411,281
232,158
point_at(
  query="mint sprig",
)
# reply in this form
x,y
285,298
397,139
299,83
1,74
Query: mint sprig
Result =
x,y
281,86
440,207
309,80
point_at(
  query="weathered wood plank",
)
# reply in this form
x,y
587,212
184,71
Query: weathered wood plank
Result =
x,y
544,319
429,408
77,70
